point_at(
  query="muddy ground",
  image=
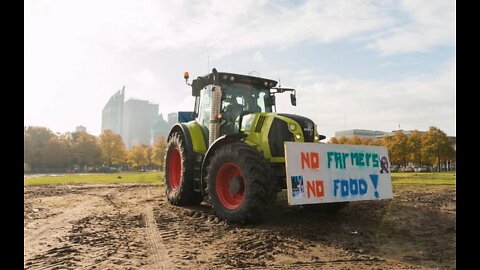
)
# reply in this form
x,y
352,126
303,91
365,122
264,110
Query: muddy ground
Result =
x,y
134,227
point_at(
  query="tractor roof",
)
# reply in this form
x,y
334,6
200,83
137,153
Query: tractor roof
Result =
x,y
225,77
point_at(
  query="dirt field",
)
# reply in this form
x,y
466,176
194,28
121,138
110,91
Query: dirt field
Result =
x,y
134,227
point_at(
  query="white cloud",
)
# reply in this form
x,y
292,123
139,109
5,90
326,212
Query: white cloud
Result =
x,y
226,27
334,103
258,57
147,77
430,24
222,26
78,53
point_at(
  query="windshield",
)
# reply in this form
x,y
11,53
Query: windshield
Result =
x,y
245,97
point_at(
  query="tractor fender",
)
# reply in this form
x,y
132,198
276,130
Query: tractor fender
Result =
x,y
183,129
225,139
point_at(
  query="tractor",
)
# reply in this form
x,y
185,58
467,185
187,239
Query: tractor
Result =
x,y
231,150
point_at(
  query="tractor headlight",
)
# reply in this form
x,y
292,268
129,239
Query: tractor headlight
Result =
x,y
292,127
297,136
316,138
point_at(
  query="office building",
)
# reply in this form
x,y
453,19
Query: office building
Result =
x,y
80,129
112,113
138,119
362,133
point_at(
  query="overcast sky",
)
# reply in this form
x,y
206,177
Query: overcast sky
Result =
x,y
355,64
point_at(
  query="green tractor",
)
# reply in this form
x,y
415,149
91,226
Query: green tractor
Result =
x,y
231,150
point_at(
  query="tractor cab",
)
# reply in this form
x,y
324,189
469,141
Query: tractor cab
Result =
x,y
241,95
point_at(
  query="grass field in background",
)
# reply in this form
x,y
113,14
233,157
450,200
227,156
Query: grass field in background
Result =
x,y
154,178
424,178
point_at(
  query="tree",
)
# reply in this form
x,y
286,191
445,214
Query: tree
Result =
x,y
28,151
342,140
436,146
377,142
355,140
85,150
365,141
159,151
148,155
333,140
68,140
112,147
398,148
55,154
35,140
415,146
136,157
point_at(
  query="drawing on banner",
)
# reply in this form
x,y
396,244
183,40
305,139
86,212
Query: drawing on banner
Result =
x,y
384,165
298,189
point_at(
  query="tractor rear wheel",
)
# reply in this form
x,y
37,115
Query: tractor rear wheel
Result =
x,y
179,174
240,183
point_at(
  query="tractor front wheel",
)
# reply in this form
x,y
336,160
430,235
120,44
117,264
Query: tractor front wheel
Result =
x,y
179,174
239,183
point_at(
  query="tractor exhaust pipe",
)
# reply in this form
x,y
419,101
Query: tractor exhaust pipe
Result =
x,y
215,119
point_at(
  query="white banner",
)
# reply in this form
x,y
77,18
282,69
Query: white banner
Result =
x,y
322,173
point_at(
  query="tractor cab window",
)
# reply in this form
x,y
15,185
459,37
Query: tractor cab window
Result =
x,y
204,106
232,106
262,101
239,97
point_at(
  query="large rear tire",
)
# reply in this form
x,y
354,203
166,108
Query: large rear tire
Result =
x,y
240,183
179,174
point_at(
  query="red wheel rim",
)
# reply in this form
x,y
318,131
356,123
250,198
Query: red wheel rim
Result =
x,y
174,168
230,185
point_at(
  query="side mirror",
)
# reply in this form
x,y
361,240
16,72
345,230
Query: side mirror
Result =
x,y
271,101
293,99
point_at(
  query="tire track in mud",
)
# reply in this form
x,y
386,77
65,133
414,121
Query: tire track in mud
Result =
x,y
54,257
109,238
196,238
134,227
59,221
114,236
160,256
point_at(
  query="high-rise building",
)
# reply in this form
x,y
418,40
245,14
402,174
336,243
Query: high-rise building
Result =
x,y
138,120
112,113
80,129
160,128
172,119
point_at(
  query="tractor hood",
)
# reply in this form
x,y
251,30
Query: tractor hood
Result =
x,y
306,124
270,130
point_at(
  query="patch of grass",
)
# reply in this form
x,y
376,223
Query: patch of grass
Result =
x,y
434,178
154,178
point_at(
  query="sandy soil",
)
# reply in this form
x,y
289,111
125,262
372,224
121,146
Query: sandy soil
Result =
x,y
134,227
